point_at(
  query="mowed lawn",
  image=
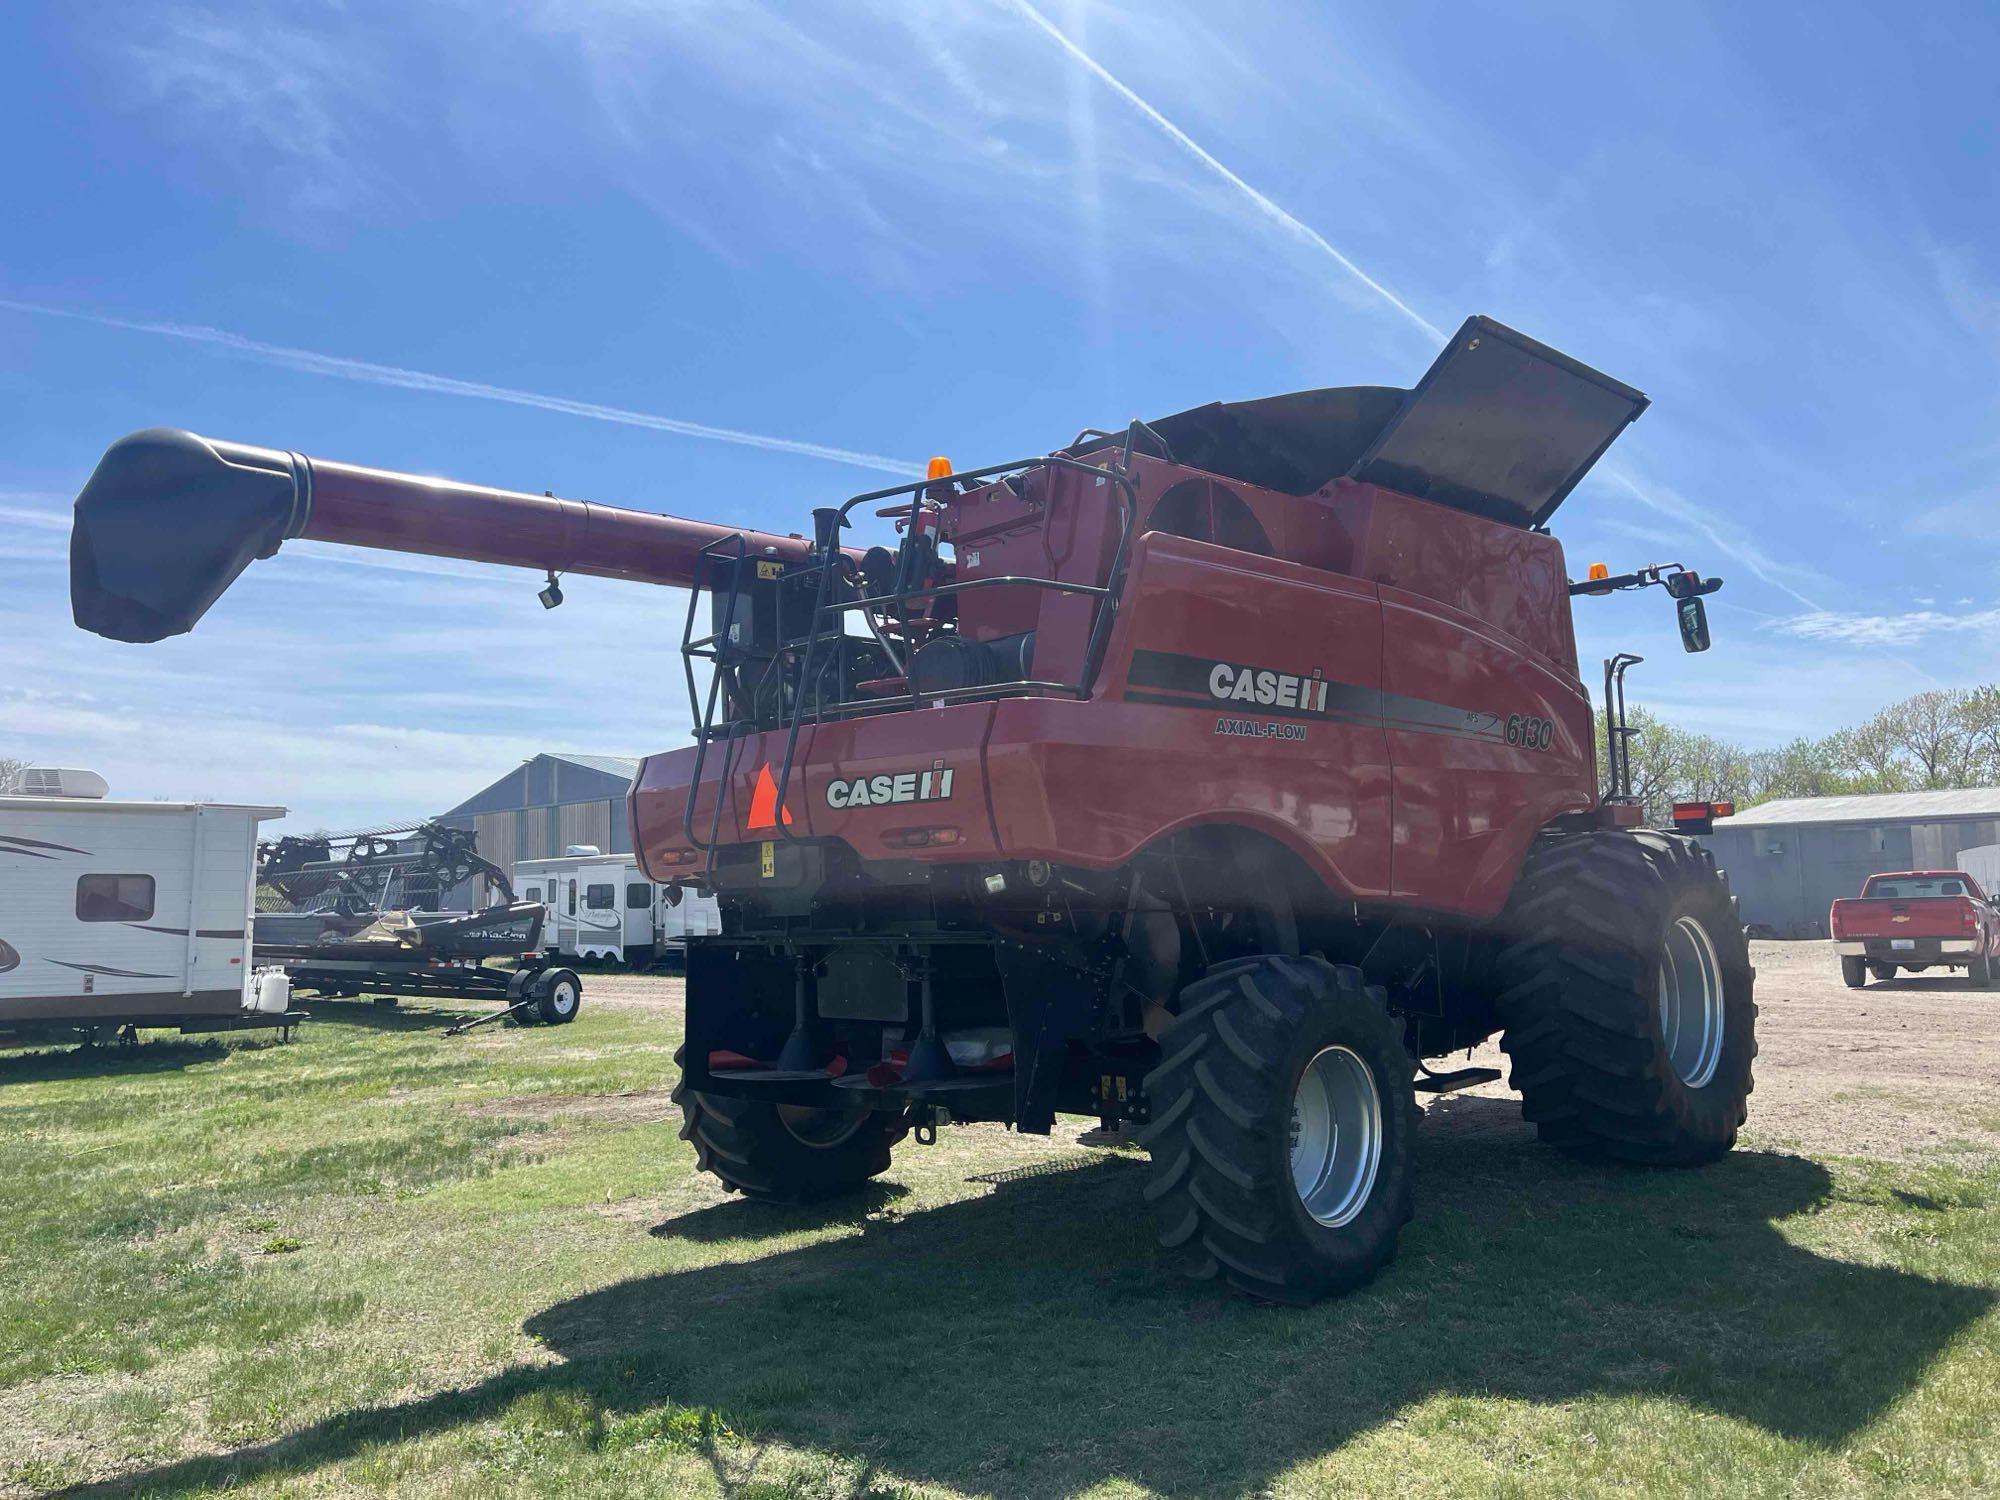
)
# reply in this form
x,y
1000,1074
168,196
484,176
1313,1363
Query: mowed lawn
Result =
x,y
381,1259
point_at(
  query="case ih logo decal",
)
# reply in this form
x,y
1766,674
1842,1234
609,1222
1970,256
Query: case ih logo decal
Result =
x,y
1200,682
1271,689
933,785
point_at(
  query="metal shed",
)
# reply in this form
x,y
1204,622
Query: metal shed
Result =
x,y
1789,860
545,805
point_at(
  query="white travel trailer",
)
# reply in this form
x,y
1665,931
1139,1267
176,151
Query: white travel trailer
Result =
x,y
602,907
121,915
1983,865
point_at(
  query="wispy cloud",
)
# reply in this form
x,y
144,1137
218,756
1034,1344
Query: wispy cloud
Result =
x,y
1975,303
1263,206
37,510
1724,537
1968,520
311,362
1721,535
1906,629
272,86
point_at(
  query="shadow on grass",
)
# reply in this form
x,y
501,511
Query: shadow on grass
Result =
x,y
741,1219
55,1061
1025,1342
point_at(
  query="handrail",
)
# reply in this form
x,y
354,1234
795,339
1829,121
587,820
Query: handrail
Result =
x,y
830,522
704,715
828,607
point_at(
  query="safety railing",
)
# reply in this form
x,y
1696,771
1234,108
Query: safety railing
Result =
x,y
799,666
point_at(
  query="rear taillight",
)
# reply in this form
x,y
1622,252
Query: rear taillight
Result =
x,y
1699,817
1968,916
921,838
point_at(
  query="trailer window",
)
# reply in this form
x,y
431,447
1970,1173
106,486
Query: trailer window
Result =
x,y
638,897
114,898
572,898
531,893
601,897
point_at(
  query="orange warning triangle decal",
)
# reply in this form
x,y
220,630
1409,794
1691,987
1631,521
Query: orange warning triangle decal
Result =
x,y
764,807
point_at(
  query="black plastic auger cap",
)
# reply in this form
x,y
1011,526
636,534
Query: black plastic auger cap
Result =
x,y
165,525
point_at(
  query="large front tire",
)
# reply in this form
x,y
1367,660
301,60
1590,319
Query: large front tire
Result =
x,y
1626,999
1283,1128
783,1154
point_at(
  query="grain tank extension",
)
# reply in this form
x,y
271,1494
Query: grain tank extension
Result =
x,y
1209,776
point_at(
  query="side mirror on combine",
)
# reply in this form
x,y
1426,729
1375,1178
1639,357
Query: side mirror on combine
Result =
x,y
1694,624
1683,584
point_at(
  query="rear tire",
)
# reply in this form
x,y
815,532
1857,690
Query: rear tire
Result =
x,y
1283,1127
1980,972
1626,994
1854,971
781,1154
1881,972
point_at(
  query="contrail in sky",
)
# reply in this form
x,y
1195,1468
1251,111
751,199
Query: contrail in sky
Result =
x,y
1271,211
308,362
1668,505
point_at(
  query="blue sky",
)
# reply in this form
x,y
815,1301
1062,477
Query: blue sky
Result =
x,y
668,254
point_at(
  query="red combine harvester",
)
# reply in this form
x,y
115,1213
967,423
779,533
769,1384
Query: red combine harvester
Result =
x,y
1207,776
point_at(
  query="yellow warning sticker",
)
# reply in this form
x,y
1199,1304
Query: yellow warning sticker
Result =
x,y
768,567
767,859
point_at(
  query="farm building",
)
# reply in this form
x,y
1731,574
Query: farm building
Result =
x,y
544,806
1789,860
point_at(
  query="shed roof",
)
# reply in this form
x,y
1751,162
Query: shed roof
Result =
x,y
553,778
611,765
1878,807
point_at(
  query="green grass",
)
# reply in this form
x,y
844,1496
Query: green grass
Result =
x,y
383,1259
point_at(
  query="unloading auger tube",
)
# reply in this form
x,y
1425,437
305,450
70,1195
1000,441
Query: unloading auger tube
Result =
x,y
170,519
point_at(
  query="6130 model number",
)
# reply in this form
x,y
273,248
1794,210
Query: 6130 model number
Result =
x,y
1530,733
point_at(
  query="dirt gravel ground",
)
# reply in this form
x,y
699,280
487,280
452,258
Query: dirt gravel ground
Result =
x,y
1902,1069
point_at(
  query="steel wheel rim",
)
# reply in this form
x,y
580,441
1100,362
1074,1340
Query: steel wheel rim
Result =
x,y
822,1129
1691,1002
1336,1136
564,999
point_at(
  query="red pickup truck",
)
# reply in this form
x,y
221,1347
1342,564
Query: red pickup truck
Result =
x,y
1916,920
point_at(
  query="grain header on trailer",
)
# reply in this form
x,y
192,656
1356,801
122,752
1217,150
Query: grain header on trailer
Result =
x,y
1210,776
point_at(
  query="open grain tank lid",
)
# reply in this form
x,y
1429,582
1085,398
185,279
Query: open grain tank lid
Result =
x,y
1500,425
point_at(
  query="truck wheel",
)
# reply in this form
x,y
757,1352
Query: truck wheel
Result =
x,y
1881,972
1625,993
1980,972
1283,1125
781,1153
558,997
1854,971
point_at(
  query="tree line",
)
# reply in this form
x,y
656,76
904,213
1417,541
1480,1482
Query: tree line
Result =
x,y
1936,741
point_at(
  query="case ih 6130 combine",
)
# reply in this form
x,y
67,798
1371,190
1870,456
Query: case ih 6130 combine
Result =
x,y
1207,776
